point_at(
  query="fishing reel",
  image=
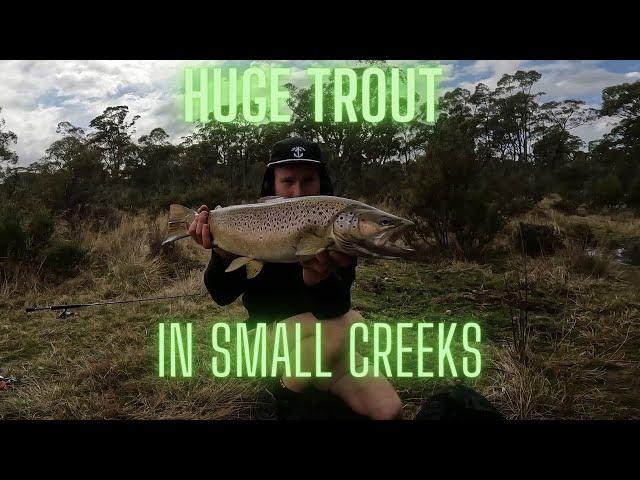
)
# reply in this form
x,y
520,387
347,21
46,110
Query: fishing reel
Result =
x,y
65,313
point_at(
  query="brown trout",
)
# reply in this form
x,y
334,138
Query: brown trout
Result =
x,y
288,230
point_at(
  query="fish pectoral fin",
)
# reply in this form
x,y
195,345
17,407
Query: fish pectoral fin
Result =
x,y
310,245
237,263
254,267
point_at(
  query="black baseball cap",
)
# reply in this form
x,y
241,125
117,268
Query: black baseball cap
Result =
x,y
295,150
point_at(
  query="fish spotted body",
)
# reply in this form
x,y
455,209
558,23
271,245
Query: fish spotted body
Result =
x,y
288,230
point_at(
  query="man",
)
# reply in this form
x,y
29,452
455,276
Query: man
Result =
x,y
315,290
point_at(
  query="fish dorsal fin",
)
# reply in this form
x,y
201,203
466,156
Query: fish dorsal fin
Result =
x,y
273,198
311,244
237,263
253,268
217,207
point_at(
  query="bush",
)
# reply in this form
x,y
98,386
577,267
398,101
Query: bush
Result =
x,y
39,229
384,183
536,239
26,236
475,224
608,190
63,258
517,206
592,265
450,192
631,252
175,261
212,193
106,216
13,239
582,234
571,178
634,192
566,206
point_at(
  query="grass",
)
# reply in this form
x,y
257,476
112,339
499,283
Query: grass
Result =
x,y
583,352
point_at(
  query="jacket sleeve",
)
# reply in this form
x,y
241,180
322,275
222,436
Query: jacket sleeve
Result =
x,y
332,296
224,287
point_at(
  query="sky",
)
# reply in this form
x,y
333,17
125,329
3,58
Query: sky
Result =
x,y
37,95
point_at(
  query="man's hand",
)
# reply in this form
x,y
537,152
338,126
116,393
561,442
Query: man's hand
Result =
x,y
317,269
199,231
199,228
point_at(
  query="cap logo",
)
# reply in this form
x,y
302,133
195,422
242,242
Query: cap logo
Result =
x,y
298,152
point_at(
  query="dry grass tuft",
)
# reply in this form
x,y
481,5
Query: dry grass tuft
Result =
x,y
519,391
124,254
589,264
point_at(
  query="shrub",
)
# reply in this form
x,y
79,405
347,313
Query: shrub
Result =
x,y
211,193
13,239
592,265
631,252
175,259
25,238
536,239
582,234
517,206
475,224
566,206
39,229
450,192
634,192
63,258
608,190
106,216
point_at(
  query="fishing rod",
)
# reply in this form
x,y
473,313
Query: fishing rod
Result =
x,y
66,310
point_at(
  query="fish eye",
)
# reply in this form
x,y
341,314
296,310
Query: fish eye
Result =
x,y
384,222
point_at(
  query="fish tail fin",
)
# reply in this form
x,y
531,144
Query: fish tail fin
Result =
x,y
179,220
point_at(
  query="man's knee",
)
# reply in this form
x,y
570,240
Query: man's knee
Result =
x,y
386,408
374,397
346,320
337,329
307,322
351,317
303,318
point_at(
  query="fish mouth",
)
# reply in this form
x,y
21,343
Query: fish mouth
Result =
x,y
387,242
390,241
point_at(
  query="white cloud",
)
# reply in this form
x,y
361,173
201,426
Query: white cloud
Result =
x,y
35,130
571,79
594,131
493,69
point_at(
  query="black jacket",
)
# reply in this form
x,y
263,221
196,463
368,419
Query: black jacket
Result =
x,y
278,291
